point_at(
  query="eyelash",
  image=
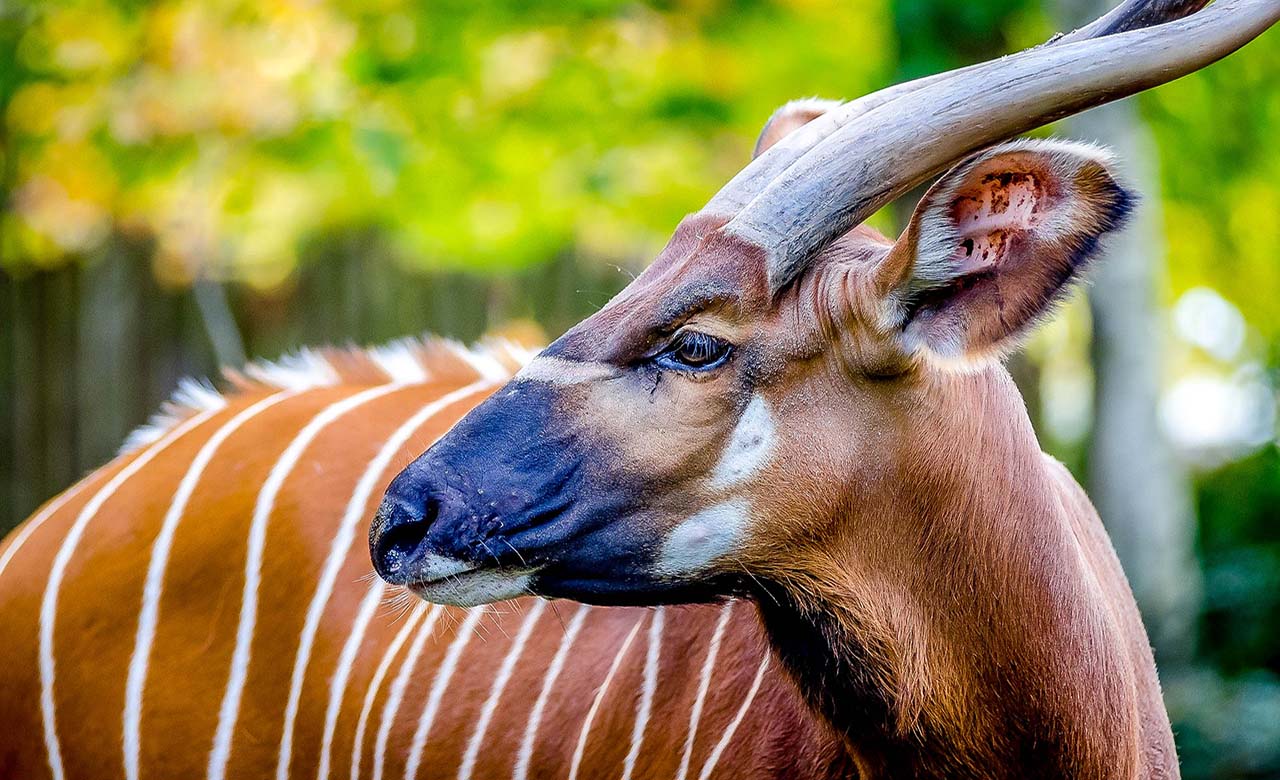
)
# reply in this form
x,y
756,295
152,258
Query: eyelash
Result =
x,y
694,351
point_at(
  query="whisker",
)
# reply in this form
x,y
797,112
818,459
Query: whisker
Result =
x,y
491,553
523,562
396,600
404,611
477,630
757,581
555,610
496,618
449,618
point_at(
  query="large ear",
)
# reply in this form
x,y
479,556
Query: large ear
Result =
x,y
791,116
996,242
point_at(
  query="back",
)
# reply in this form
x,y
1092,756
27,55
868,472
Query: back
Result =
x,y
204,606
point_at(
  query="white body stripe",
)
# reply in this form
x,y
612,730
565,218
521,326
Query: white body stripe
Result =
x,y
438,686
395,697
499,684
229,711
714,758
581,748
340,550
50,509
49,602
375,684
704,685
342,674
644,707
525,756
149,614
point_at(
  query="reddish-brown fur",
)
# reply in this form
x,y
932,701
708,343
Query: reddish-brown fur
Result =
x,y
100,597
950,598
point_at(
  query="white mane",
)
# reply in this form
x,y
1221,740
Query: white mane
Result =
x,y
405,361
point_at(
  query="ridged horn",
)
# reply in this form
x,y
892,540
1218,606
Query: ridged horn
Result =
x,y
835,172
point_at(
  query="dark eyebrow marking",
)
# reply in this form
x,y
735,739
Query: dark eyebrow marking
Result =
x,y
686,302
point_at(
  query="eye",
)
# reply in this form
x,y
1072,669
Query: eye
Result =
x,y
694,351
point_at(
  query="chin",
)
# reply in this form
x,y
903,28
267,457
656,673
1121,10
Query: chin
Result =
x,y
473,588
639,591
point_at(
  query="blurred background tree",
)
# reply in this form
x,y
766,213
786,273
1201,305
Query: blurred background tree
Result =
x,y
189,183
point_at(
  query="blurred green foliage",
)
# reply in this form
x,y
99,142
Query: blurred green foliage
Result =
x,y
1216,131
478,135
1240,549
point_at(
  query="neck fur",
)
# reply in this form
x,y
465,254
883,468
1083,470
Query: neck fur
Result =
x,y
973,621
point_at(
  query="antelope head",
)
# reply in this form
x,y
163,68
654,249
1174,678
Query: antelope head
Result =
x,y
774,398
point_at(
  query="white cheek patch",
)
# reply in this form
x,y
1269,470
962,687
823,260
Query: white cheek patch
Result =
x,y
559,371
749,447
704,538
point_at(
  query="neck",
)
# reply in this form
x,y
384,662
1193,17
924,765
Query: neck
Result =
x,y
991,631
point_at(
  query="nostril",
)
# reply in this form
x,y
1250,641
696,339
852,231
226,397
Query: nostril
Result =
x,y
402,536
401,541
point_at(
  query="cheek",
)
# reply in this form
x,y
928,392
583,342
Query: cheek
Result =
x,y
663,434
709,536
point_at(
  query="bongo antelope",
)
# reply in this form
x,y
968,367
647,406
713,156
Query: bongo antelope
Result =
x,y
785,407
788,407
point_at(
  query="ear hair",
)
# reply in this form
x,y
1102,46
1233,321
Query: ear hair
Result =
x,y
939,233
1083,203
788,118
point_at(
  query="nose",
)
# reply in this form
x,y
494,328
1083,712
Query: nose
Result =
x,y
425,528
399,536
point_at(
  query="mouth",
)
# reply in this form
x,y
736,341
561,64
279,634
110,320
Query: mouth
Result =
x,y
470,585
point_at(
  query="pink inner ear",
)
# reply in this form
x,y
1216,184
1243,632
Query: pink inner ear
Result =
x,y
985,216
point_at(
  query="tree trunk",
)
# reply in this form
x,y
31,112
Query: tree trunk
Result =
x,y
1139,488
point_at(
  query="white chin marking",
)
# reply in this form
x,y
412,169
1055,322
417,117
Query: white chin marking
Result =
x,y
434,567
749,447
559,371
472,589
704,538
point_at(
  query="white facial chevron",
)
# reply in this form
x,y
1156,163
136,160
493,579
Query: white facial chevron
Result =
x,y
750,446
559,371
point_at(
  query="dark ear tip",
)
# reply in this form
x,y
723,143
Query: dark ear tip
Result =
x,y
1115,205
1123,206
1115,202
